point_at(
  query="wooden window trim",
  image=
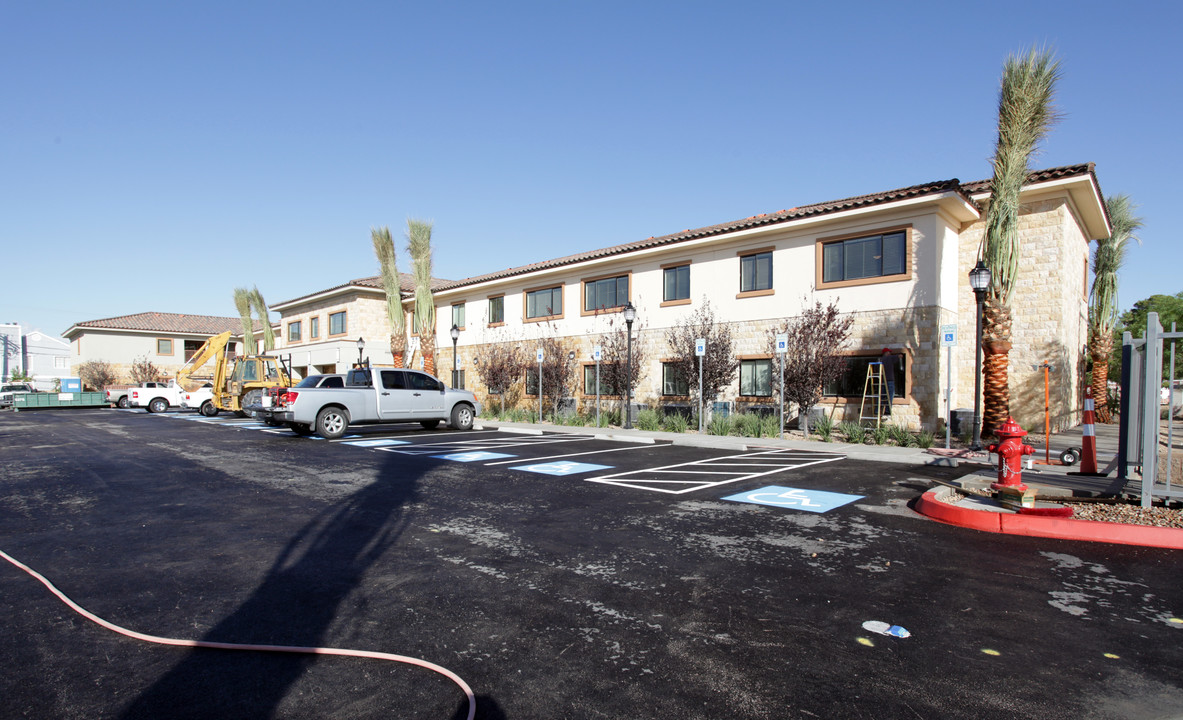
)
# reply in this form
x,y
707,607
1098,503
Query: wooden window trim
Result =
x,y
340,334
453,305
172,347
314,335
582,385
289,333
675,303
755,293
756,398
741,254
899,277
603,311
547,318
663,268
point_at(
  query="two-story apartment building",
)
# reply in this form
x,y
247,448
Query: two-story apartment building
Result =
x,y
897,261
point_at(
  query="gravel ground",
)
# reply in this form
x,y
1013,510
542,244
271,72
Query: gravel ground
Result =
x,y
1130,513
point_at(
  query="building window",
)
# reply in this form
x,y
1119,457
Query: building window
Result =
x,y
671,383
755,378
458,315
294,331
755,272
589,381
313,328
164,346
497,310
532,381
191,348
864,258
605,294
337,323
676,283
545,303
59,363
458,379
853,382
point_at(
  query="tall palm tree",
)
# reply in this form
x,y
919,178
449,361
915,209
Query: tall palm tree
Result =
x,y
260,307
1025,114
1108,257
242,302
419,247
388,262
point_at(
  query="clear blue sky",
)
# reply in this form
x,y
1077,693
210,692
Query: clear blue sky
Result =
x,y
256,143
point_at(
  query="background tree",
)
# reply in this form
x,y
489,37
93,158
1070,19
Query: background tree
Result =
x,y
1108,256
1169,309
260,307
1025,114
816,338
97,374
500,366
392,286
614,362
558,367
242,302
419,248
142,371
719,365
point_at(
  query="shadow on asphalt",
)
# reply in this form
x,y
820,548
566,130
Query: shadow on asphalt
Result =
x,y
295,604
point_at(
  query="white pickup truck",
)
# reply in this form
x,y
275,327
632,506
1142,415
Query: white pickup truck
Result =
x,y
10,390
155,397
399,395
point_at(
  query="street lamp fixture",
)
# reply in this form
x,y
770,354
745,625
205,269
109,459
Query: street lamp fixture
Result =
x,y
455,332
630,314
979,280
361,346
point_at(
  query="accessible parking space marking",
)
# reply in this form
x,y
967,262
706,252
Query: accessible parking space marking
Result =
x,y
475,456
561,468
691,476
815,501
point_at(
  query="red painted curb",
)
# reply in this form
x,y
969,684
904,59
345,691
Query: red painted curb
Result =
x,y
1035,526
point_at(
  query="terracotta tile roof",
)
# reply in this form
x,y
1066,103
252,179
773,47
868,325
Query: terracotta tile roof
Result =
x,y
170,322
834,206
406,284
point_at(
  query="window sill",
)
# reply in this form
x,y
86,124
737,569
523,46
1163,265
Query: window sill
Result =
x,y
673,303
755,293
543,319
904,277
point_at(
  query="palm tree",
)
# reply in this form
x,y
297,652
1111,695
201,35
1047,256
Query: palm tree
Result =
x,y
1108,257
419,247
260,307
388,262
1025,114
242,302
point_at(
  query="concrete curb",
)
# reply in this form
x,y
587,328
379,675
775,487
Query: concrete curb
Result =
x,y
1011,523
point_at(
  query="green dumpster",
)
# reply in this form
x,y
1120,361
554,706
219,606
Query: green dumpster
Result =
x,y
37,401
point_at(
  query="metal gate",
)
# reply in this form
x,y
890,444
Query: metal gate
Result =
x,y
1142,362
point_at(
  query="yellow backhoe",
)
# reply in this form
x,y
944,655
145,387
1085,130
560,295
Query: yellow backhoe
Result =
x,y
237,381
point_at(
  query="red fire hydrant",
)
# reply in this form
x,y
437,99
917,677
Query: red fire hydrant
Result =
x,y
1010,456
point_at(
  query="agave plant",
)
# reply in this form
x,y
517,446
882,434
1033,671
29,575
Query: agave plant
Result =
x,y
392,286
1108,257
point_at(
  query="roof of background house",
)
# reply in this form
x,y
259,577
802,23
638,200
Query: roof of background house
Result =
x,y
165,322
406,285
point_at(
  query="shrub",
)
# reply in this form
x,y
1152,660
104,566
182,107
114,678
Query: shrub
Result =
x,y
853,432
720,425
770,425
675,423
924,439
97,374
823,426
881,435
746,425
900,435
649,420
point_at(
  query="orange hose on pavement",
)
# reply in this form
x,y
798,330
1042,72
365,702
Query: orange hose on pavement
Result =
x,y
237,646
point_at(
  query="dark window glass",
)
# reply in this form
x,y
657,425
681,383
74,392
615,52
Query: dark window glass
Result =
x,y
676,283
337,323
589,381
755,272
458,315
866,257
333,382
755,378
458,379
544,303
294,331
531,381
497,309
671,384
854,379
605,293
422,381
393,380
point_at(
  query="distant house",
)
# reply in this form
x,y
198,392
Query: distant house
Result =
x,y
43,357
167,340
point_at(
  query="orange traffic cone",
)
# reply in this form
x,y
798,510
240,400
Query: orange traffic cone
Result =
x,y
1088,446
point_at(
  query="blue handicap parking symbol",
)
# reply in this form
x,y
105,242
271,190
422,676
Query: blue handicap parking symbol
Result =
x,y
817,501
474,456
379,442
561,468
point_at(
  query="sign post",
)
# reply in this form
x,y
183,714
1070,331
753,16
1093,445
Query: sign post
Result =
x,y
782,347
700,349
597,354
539,384
948,341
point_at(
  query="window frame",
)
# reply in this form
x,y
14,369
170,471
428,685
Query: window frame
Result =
x,y
463,313
666,366
903,378
758,292
677,301
298,327
628,277
496,323
344,323
590,382
771,375
314,327
542,318
171,347
819,260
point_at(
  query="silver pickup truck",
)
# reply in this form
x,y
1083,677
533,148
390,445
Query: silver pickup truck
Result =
x,y
375,395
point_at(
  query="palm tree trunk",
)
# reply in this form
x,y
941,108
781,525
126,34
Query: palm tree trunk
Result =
x,y
427,344
996,345
1100,348
398,348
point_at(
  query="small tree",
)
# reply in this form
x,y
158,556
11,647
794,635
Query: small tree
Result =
x,y
614,363
19,375
142,371
558,369
719,365
815,337
97,374
500,366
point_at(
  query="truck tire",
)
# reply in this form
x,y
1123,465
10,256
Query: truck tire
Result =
x,y
300,428
122,402
208,409
157,405
250,397
331,422
462,416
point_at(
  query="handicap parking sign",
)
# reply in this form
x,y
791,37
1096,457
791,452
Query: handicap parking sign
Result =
x,y
561,468
815,501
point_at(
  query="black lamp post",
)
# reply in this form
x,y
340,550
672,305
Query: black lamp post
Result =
x,y
361,346
455,331
630,314
979,280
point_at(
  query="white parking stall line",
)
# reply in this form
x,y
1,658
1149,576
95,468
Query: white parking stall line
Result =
x,y
490,444
555,457
636,478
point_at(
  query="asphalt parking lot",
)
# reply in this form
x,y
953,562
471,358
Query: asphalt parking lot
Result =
x,y
559,576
